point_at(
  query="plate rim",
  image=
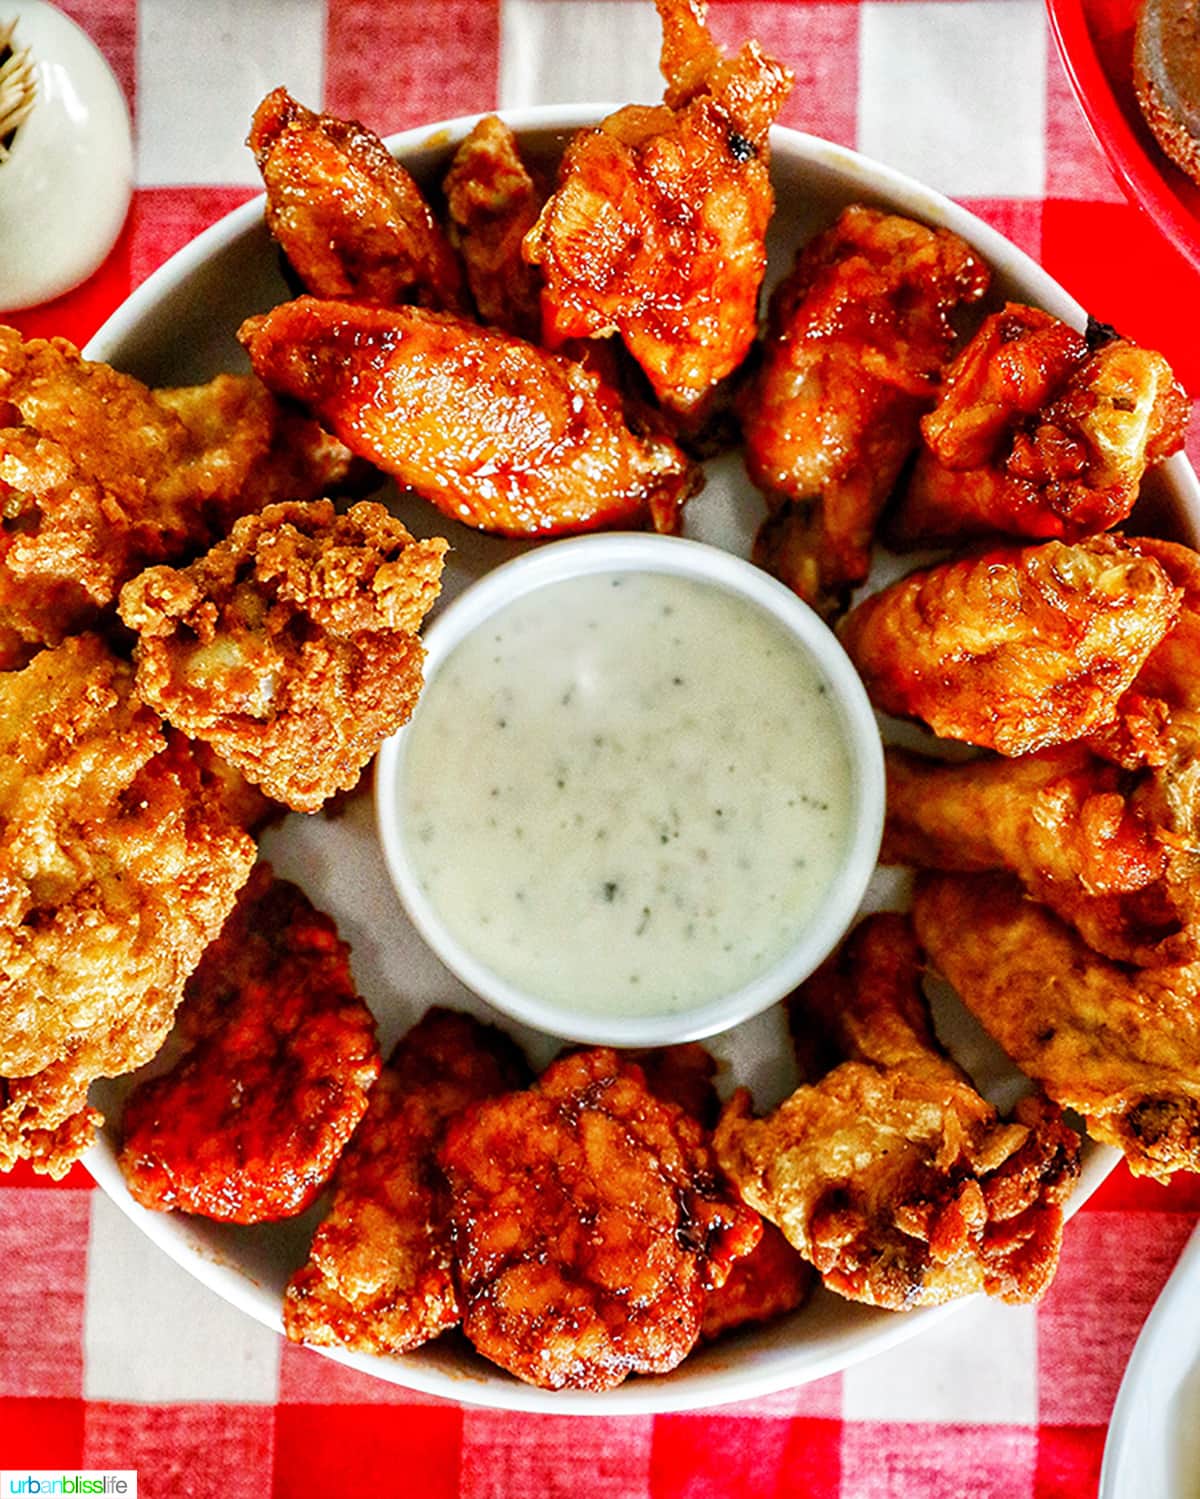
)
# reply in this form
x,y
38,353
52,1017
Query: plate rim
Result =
x,y
1144,183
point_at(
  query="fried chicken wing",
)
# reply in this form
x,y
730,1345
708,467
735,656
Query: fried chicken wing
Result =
x,y
379,1278
656,230
1119,1045
588,1226
117,869
347,215
291,647
856,337
1099,847
773,1279
1039,432
100,476
493,203
281,1052
1016,649
497,434
891,1174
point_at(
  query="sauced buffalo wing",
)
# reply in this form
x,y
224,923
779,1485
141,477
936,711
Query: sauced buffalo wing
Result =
x,y
588,1226
100,476
1119,1045
379,1277
1040,432
857,335
117,868
773,1279
891,1174
656,230
292,646
1014,649
1104,848
496,433
280,1054
347,215
493,203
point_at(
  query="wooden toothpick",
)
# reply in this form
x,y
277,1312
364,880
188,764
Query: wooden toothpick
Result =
x,y
18,86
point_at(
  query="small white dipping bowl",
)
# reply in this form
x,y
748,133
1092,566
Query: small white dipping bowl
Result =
x,y
653,1022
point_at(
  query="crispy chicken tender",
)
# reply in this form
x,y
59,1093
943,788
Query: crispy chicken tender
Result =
x,y
1015,649
100,476
588,1226
656,230
773,1279
497,434
380,1274
1040,432
493,203
856,337
1101,848
117,868
347,215
281,1052
291,647
891,1174
1119,1045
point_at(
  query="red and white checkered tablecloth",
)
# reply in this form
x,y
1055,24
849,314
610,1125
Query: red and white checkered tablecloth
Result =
x,y
111,1356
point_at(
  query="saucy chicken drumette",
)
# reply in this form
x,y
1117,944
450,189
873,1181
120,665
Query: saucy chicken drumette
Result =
x,y
656,231
498,434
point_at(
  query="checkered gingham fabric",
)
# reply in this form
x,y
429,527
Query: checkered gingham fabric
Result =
x,y
111,1356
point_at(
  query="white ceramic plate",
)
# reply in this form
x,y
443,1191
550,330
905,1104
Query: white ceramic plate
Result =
x,y
179,327
1153,1445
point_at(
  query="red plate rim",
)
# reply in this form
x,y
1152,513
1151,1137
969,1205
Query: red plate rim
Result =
x,y
1141,177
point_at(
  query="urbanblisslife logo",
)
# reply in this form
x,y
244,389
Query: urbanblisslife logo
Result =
x,y
40,1482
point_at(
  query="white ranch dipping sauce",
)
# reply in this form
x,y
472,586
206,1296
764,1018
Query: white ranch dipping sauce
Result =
x,y
626,792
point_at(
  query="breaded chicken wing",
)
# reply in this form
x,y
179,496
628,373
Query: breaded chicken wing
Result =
x,y
347,215
891,1174
497,434
291,647
856,337
379,1278
1014,649
773,1279
100,476
117,868
493,203
280,1054
1119,1045
588,1226
1097,845
656,230
1039,432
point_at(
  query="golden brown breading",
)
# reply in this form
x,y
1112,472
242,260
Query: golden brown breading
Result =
x,y
1039,432
856,337
292,646
1014,649
1119,1045
116,871
493,203
588,1226
347,215
499,435
247,1126
1103,849
100,476
379,1278
656,230
891,1174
